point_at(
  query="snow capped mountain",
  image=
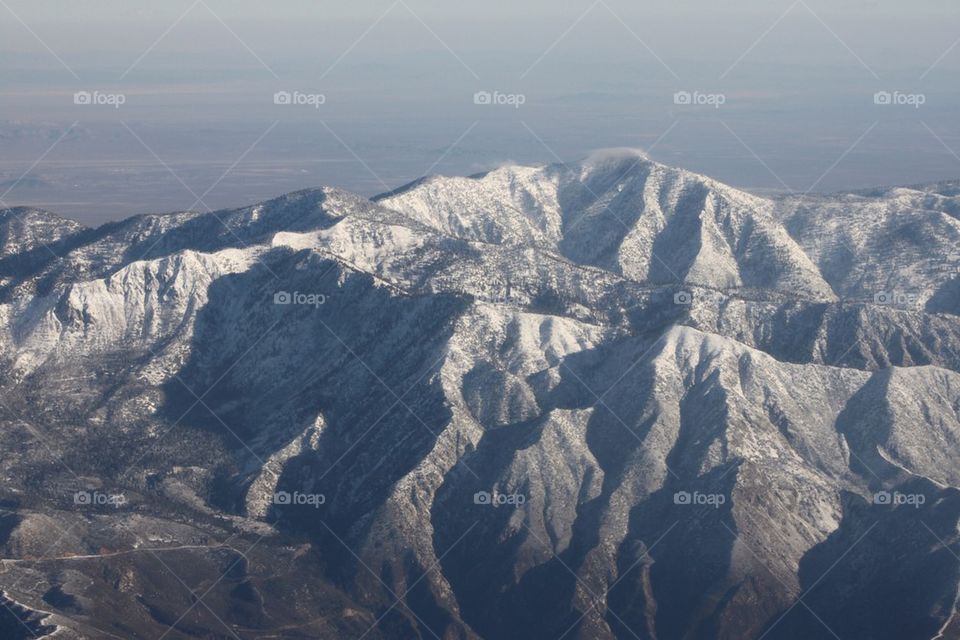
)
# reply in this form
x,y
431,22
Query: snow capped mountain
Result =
x,y
624,213
902,245
613,399
22,229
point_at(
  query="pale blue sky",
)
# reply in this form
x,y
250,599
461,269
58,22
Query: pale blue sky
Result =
x,y
798,80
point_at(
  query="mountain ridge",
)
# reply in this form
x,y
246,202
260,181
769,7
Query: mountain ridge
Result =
x,y
683,448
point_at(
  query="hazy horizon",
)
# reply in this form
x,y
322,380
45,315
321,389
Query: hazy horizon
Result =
x,y
398,81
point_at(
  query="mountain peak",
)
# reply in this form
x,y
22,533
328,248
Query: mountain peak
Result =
x,y
618,210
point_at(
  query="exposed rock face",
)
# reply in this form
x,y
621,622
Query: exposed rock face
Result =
x,y
611,400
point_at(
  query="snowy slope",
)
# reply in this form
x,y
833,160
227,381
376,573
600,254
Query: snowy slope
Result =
x,y
688,397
